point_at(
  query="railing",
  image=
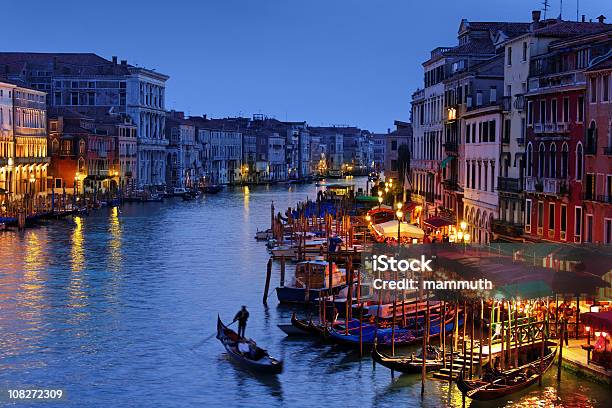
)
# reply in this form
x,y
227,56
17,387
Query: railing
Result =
x,y
556,80
554,186
506,228
519,102
551,127
530,183
451,184
510,185
451,146
607,199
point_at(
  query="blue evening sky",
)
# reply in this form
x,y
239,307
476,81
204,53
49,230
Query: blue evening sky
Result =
x,y
350,62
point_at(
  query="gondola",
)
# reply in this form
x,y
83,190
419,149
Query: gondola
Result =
x,y
402,336
412,364
302,327
509,381
256,359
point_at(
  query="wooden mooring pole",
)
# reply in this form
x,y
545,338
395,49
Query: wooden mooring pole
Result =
x,y
267,287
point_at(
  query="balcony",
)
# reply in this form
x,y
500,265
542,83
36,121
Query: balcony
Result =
x,y
606,199
520,141
509,185
519,102
546,185
556,80
506,228
551,128
451,147
451,184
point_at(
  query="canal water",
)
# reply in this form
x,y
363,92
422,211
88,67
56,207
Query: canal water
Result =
x,y
114,308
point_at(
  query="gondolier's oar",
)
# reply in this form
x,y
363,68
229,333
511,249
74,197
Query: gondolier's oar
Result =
x,y
210,337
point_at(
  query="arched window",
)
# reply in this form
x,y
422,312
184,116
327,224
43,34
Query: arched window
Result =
x,y
591,139
552,162
579,161
54,146
564,160
81,165
529,160
541,155
82,146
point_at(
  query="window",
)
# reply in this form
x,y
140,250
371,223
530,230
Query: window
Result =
x,y
467,133
541,154
542,111
540,219
579,160
564,160
565,110
580,108
473,132
551,217
553,111
485,132
607,231
394,145
478,98
486,176
524,51
58,183
588,225
507,130
529,159
54,146
492,131
74,98
493,94
509,56
552,164
593,89
577,224
605,88
529,112
590,192
563,221
528,215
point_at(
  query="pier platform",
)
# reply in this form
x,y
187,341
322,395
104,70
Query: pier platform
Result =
x,y
575,360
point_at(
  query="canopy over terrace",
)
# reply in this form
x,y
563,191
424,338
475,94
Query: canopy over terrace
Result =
x,y
389,230
513,278
599,320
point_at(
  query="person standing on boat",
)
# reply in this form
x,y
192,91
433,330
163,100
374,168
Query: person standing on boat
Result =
x,y
242,316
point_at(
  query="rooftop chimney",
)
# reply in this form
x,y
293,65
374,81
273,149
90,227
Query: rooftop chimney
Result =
x,y
114,59
123,62
535,15
388,130
583,18
601,18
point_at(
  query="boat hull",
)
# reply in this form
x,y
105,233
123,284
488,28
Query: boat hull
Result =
x,y
298,295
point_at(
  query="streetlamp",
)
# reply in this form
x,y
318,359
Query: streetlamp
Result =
x,y
399,214
380,199
463,236
32,187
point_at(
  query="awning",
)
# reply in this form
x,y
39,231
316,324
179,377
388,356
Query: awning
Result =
x,y
438,222
599,320
446,161
389,230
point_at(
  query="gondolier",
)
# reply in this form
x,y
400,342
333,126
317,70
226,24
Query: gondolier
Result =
x,y
242,316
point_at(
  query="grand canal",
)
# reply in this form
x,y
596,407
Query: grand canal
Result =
x,y
113,308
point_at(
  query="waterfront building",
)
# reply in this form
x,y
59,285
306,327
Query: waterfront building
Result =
x,y
23,144
397,152
482,120
597,189
183,166
297,148
223,146
555,177
82,81
379,144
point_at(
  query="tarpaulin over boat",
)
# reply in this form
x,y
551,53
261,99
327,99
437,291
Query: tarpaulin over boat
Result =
x,y
389,230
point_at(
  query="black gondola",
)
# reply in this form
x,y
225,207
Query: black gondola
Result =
x,y
509,381
256,358
412,364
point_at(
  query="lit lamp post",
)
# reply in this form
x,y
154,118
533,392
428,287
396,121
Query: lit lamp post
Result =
x,y
399,215
462,235
380,199
369,220
75,188
32,181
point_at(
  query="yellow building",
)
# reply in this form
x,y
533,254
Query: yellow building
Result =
x,y
23,145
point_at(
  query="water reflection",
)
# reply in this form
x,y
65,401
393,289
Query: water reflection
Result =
x,y
110,306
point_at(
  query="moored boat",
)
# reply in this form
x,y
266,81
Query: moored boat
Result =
x,y
510,381
410,364
245,352
311,281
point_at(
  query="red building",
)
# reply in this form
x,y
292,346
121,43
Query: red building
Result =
x,y
598,147
556,151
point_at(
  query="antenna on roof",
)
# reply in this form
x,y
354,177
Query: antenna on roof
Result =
x,y
545,8
577,7
561,10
